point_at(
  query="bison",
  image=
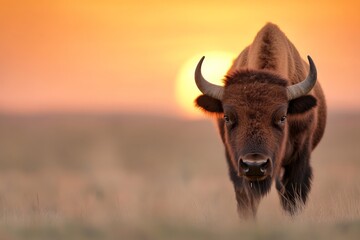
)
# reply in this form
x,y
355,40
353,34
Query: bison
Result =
x,y
271,114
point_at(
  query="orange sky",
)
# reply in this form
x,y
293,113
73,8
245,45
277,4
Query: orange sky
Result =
x,y
103,55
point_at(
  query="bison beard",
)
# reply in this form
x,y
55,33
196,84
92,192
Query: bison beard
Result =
x,y
271,114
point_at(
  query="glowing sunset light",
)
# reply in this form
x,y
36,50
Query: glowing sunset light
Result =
x,y
214,68
129,56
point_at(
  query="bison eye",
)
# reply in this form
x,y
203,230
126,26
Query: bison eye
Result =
x,y
281,121
229,120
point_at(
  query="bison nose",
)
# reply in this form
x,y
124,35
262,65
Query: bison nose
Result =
x,y
255,165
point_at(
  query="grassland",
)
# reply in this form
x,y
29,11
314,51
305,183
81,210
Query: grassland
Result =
x,y
142,177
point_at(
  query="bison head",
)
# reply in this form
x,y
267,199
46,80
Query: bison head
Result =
x,y
253,108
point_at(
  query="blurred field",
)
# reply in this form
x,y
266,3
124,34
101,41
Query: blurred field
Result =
x,y
141,177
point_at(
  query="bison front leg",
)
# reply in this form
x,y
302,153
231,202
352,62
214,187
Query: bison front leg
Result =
x,y
247,203
295,184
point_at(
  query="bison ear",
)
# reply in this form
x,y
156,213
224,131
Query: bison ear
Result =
x,y
301,104
209,104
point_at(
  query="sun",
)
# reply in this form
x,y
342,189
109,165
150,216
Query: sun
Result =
x,y
214,68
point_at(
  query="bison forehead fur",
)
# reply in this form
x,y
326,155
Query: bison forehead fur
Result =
x,y
268,134
251,88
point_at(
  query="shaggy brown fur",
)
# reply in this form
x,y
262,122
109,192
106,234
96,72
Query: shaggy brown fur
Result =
x,y
254,105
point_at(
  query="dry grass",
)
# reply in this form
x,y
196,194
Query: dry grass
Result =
x,y
140,177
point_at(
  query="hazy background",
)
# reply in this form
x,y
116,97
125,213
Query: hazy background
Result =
x,y
94,145
124,56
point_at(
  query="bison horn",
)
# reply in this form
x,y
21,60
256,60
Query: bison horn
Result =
x,y
302,88
206,87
